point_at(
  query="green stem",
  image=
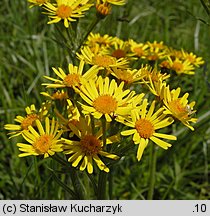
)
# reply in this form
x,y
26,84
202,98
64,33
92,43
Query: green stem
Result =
x,y
76,184
152,170
74,176
90,28
102,179
110,179
102,185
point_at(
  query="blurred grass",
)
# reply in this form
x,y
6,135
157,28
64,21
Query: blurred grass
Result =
x,y
27,52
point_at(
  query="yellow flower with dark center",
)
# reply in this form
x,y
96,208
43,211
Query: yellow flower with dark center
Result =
x,y
128,76
32,114
119,49
105,98
42,141
139,49
181,66
89,148
178,107
67,10
101,60
144,126
73,79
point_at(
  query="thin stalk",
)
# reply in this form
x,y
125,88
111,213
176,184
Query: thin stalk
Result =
x,y
102,185
102,179
93,182
76,184
74,177
110,179
152,170
90,28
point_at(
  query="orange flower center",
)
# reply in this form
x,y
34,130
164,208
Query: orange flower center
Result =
x,y
165,64
119,53
145,128
191,58
43,143
104,61
152,57
105,104
59,95
178,109
72,80
124,75
177,66
28,121
64,11
139,51
90,145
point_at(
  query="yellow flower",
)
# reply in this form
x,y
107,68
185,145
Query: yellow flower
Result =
x,y
128,76
144,126
178,107
67,10
119,49
152,74
192,58
105,98
73,79
37,2
42,142
156,51
101,61
73,116
57,95
98,42
88,148
180,66
157,88
139,49
25,121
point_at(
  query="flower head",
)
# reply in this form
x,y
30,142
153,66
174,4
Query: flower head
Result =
x,y
88,148
73,79
101,60
181,66
105,98
119,49
57,95
192,58
128,76
67,10
139,49
144,124
44,141
178,107
97,42
32,114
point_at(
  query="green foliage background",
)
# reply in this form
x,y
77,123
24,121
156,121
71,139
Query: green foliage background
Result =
x,y
28,51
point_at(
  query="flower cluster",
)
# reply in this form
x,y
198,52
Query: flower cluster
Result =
x,y
71,10
116,82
